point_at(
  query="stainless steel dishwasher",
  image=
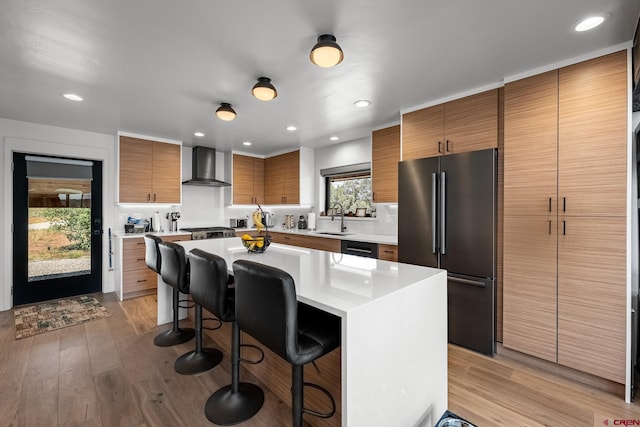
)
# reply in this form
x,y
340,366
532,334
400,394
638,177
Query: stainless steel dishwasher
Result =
x,y
364,249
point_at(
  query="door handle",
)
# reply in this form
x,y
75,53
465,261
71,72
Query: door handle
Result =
x,y
434,210
443,211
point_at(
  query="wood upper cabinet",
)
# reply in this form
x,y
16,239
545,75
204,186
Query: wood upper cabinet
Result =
x,y
465,124
531,145
282,179
149,171
471,123
593,136
385,155
248,179
423,133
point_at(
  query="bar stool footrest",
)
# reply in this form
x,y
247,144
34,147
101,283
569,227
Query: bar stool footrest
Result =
x,y
226,408
252,362
326,393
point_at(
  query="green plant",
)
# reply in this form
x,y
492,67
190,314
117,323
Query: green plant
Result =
x,y
75,223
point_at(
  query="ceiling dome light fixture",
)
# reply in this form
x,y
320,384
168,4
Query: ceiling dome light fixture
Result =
x,y
264,90
589,23
326,53
226,112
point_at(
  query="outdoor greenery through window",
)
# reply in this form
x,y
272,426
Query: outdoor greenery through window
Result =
x,y
350,191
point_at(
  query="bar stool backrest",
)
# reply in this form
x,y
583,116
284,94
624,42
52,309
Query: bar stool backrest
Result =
x,y
209,284
266,306
152,254
174,268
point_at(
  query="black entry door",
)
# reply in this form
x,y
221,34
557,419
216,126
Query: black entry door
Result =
x,y
57,227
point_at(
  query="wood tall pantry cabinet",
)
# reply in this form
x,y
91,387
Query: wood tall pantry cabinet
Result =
x,y
565,157
149,171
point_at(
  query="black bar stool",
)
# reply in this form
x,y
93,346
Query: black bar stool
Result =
x,y
267,309
238,401
174,271
205,289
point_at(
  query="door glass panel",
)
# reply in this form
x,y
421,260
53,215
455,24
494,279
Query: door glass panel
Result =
x,y
59,238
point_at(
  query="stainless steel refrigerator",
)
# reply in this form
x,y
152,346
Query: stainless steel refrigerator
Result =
x,y
447,219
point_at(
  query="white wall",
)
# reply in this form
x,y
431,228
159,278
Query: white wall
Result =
x,y
40,139
347,153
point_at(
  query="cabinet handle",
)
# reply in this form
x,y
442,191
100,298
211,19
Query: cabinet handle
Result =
x,y
140,281
139,259
447,146
549,204
439,146
148,197
549,226
564,204
373,196
140,243
564,228
154,197
387,251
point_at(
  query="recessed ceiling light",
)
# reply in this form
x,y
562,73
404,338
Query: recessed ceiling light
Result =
x,y
72,97
247,143
589,23
198,134
362,103
291,128
334,138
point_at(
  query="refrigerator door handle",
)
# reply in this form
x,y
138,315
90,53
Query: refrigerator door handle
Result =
x,y
477,283
434,210
443,211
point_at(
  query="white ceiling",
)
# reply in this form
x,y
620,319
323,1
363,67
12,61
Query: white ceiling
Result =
x,y
161,67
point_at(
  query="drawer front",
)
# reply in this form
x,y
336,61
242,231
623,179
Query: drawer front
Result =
x,y
138,280
175,238
388,252
133,251
321,243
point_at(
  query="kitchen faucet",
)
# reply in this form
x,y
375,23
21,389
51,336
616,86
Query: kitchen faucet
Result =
x,y
343,228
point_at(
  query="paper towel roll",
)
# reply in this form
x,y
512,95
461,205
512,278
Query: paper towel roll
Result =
x,y
311,222
156,222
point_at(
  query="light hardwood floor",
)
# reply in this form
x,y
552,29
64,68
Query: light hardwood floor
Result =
x,y
108,373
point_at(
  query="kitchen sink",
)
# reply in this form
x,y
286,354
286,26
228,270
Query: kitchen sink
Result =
x,y
332,233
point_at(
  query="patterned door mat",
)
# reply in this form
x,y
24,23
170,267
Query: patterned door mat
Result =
x,y
52,315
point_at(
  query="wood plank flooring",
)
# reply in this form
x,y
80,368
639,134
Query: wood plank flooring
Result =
x,y
108,373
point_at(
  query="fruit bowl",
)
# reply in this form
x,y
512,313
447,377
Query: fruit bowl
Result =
x,y
256,244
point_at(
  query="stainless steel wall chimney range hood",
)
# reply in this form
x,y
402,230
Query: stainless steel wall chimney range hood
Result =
x,y
203,168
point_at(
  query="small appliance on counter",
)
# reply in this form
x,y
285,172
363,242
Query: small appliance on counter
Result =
x,y
289,221
173,220
302,223
201,233
269,219
238,223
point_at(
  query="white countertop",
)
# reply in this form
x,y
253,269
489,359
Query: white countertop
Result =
x,y
359,237
334,282
123,235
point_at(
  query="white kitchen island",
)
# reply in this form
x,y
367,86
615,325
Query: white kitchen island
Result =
x,y
394,328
